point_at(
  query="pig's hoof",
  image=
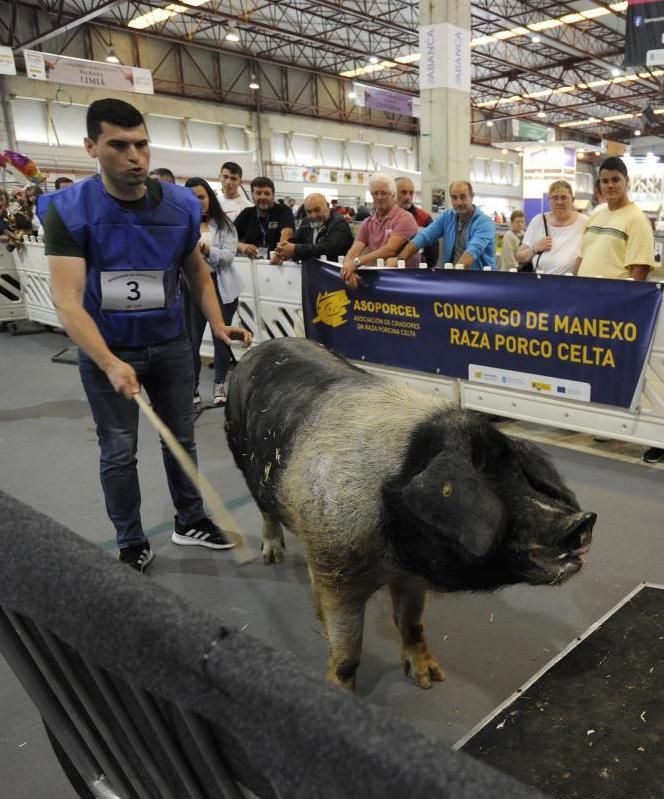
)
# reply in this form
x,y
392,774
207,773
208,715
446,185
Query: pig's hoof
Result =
x,y
273,552
423,669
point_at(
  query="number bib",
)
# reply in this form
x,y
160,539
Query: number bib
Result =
x,y
132,291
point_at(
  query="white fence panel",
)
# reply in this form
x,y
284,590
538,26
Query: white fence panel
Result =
x,y
12,306
32,266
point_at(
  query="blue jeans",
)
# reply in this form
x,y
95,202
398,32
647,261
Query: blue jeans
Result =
x,y
196,322
166,372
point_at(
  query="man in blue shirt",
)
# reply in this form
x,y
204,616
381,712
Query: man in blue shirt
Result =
x,y
469,235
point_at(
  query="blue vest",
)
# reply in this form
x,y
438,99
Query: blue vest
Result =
x,y
117,239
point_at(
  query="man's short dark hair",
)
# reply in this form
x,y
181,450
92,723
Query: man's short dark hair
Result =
x,y
114,112
163,173
232,167
60,182
262,183
615,164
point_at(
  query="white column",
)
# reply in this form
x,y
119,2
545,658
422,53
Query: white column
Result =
x,y
444,95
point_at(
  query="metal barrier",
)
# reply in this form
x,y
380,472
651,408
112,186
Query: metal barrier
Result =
x,y
32,267
271,307
12,305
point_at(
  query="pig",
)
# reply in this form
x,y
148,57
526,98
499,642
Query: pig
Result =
x,y
388,486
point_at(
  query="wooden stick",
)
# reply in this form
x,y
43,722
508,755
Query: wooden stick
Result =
x,y
220,513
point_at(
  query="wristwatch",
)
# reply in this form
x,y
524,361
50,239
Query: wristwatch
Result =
x,y
357,262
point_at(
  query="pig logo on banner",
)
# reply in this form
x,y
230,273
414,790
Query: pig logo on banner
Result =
x,y
331,308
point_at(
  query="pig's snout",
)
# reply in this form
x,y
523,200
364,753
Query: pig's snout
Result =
x,y
580,532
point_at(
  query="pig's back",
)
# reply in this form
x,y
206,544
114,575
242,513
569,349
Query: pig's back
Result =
x,y
317,438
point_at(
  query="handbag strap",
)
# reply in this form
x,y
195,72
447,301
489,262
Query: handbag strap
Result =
x,y
546,233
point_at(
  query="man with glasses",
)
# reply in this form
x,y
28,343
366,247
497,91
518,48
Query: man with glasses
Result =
x,y
324,233
383,234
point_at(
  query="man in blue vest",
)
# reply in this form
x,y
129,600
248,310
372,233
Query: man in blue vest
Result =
x,y
117,244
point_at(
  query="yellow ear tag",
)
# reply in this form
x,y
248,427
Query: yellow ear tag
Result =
x,y
447,489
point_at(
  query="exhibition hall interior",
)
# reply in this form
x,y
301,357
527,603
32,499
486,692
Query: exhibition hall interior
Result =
x,y
332,408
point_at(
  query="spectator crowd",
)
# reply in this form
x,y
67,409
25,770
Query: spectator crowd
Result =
x,y
614,241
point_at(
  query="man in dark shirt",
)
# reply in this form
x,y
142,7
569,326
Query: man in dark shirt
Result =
x,y
405,195
324,232
261,227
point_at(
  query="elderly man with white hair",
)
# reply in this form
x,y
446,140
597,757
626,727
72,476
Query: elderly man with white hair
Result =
x,y
383,234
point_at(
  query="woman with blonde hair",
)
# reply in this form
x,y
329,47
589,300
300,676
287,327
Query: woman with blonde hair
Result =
x,y
553,239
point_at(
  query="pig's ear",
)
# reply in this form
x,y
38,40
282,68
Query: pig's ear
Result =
x,y
451,496
540,472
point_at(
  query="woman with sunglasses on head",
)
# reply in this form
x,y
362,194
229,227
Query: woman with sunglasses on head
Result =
x,y
218,244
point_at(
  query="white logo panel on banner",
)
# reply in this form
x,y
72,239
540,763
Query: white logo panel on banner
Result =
x,y
445,57
7,65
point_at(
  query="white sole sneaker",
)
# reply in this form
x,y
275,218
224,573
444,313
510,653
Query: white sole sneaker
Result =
x,y
190,541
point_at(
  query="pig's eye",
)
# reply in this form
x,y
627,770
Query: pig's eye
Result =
x,y
446,489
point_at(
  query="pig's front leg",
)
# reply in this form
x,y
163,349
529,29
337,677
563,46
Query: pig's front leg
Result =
x,y
408,606
272,545
343,621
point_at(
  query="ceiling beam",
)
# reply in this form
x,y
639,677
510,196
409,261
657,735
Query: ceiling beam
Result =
x,y
74,22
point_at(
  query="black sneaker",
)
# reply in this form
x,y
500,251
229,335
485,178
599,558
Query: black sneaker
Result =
x,y
204,533
139,556
653,455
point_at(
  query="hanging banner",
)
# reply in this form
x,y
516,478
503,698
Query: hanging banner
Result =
x,y
644,33
7,65
586,340
385,100
79,72
445,57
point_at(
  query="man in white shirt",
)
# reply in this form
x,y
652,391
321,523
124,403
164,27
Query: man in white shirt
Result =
x,y
231,198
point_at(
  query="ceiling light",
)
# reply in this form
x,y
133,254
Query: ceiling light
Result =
x,y
232,35
504,151
637,132
253,83
598,153
351,95
373,59
161,14
112,57
489,123
616,71
535,39
541,114
580,154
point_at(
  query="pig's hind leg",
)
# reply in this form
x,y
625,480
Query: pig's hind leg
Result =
x,y
272,545
408,606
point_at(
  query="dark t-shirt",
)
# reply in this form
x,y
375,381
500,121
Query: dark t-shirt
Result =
x,y
59,241
263,231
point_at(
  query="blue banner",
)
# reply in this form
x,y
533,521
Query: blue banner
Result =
x,y
577,338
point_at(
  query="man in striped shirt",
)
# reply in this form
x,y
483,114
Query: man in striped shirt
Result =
x,y
617,240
